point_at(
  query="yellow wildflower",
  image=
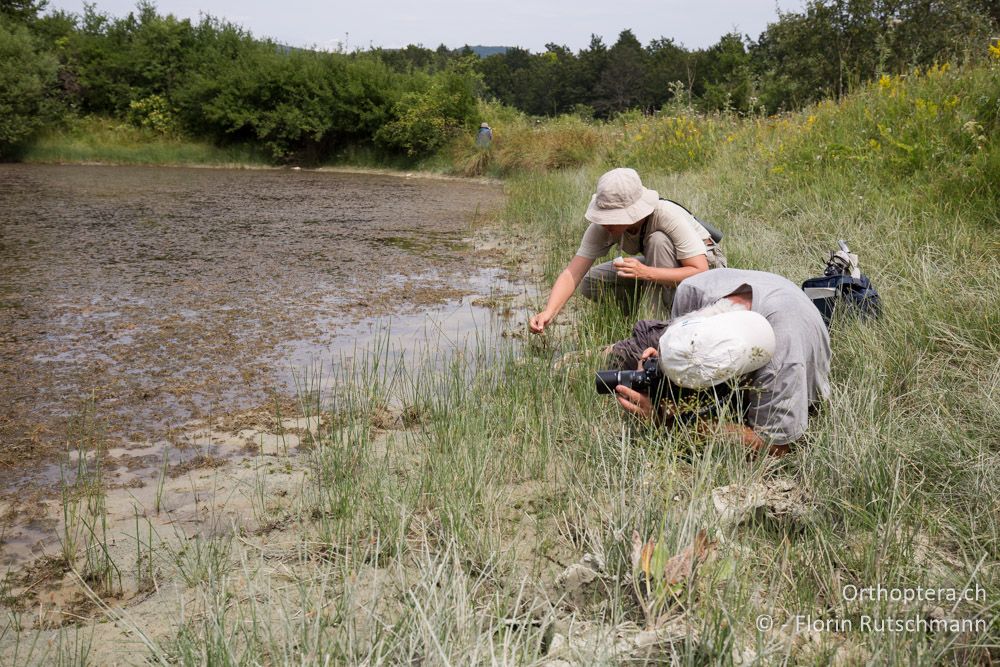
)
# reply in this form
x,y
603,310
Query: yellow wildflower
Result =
x,y
995,50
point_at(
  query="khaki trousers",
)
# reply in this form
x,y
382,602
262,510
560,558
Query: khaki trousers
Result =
x,y
631,294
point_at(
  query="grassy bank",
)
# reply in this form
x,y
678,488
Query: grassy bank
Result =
x,y
485,515
106,141
99,140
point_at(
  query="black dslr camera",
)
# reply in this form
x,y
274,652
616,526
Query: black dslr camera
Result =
x,y
650,380
684,405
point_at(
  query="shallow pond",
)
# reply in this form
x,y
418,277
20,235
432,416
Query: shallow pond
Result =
x,y
138,299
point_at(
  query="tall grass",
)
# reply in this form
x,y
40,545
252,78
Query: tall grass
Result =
x,y
442,543
94,139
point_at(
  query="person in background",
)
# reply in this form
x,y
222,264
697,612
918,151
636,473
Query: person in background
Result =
x,y
485,136
669,243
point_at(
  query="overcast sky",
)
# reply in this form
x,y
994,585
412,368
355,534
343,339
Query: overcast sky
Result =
x,y
526,23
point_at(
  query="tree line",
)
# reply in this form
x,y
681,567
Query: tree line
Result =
x,y
211,79
802,57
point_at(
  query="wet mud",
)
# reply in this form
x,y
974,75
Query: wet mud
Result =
x,y
136,300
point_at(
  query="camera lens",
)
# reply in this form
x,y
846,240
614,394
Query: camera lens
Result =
x,y
607,381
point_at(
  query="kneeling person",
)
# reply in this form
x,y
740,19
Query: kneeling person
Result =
x,y
670,244
696,352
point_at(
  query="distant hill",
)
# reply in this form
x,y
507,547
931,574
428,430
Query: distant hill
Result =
x,y
487,51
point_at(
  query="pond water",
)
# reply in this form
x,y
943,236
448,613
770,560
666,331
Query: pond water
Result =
x,y
138,299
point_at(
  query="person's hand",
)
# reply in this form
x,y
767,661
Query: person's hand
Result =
x,y
634,402
629,267
646,354
539,321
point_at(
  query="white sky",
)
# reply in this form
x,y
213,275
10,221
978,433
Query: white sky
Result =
x,y
526,23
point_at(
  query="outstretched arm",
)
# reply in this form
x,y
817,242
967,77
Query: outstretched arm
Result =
x,y
562,290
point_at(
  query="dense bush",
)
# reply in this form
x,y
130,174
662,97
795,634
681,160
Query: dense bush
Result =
x,y
426,120
153,113
212,80
27,76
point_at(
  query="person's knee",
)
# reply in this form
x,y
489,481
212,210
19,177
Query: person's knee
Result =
x,y
598,280
591,285
660,252
716,258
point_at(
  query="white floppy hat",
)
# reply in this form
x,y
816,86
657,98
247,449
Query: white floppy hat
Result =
x,y
700,352
620,199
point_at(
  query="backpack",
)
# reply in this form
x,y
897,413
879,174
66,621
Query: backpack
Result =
x,y
843,287
712,230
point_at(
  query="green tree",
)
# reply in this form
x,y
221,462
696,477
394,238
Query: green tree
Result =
x,y
792,58
281,100
622,84
22,11
506,76
921,33
428,119
407,59
592,62
219,49
727,75
27,79
551,78
497,77
834,45
667,64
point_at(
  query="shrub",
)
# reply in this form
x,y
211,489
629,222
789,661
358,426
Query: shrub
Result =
x,y
427,120
667,143
153,113
27,76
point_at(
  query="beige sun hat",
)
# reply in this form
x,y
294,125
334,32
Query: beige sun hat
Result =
x,y
485,126
699,352
620,199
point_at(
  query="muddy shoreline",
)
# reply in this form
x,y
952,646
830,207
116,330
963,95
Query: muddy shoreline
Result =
x,y
333,169
241,469
139,300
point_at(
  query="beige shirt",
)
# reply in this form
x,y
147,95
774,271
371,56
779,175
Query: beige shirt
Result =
x,y
680,227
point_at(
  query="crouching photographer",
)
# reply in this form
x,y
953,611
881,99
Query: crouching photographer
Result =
x,y
730,327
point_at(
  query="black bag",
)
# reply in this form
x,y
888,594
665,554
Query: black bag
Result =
x,y
843,286
712,230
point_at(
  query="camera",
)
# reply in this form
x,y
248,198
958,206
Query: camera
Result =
x,y
650,380
683,405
